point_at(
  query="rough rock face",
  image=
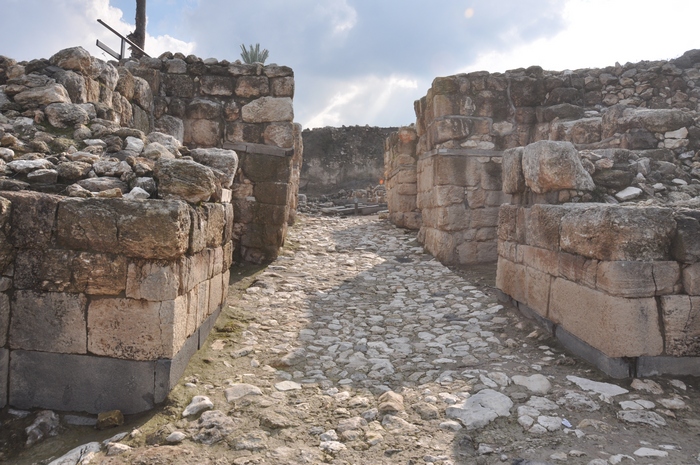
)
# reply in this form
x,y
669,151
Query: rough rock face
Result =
x,y
553,166
342,158
184,179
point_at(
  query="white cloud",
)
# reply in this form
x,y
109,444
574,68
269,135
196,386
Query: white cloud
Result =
x,y
599,33
373,100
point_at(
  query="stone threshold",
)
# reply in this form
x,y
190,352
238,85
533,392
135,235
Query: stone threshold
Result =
x,y
92,384
615,367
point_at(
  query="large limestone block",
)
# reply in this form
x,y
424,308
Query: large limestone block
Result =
x,y
507,222
48,322
224,163
279,135
617,326
578,269
109,225
661,120
216,85
617,233
194,269
268,110
681,316
265,168
184,180
448,170
449,128
75,59
154,281
638,279
99,274
33,218
136,329
513,178
686,242
544,260
543,224
552,166
46,95
511,279
215,224
537,289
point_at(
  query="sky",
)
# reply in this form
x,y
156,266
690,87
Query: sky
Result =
x,y
364,62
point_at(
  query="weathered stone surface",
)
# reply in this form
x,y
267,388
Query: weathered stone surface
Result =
x,y
617,326
136,329
681,319
52,93
103,184
184,180
99,274
33,218
153,281
48,322
106,225
513,178
74,58
64,115
543,225
224,163
551,166
268,110
616,233
686,243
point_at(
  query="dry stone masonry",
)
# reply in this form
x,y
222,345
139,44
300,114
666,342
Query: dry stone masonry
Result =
x,y
598,171
126,191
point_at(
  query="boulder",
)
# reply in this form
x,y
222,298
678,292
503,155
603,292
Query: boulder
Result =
x,y
617,233
34,97
184,180
268,110
75,59
223,162
103,184
64,115
551,166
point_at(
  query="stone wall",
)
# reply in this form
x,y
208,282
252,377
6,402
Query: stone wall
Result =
x,y
126,191
400,164
74,110
343,158
616,284
99,308
634,126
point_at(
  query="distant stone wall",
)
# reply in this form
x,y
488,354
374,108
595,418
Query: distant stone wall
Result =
x,y
343,158
634,126
115,238
400,163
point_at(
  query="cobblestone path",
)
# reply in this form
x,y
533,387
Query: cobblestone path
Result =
x,y
355,347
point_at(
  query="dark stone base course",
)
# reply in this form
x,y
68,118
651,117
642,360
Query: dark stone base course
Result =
x,y
615,367
85,383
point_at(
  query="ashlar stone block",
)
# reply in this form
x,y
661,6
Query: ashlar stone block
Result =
x,y
681,316
48,322
136,329
153,281
617,326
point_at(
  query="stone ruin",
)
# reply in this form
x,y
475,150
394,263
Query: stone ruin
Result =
x,y
583,186
127,190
